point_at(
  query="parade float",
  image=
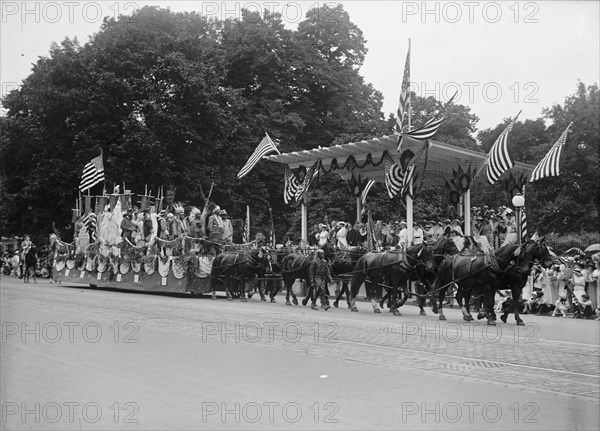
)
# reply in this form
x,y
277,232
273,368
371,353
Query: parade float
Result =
x,y
101,257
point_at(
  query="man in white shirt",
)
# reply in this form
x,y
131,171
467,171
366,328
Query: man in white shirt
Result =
x,y
417,234
403,236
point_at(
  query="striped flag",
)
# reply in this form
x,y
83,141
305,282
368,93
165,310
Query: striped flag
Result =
x,y
371,239
427,130
365,192
311,173
91,224
404,103
549,166
498,160
410,170
93,173
292,184
393,174
430,128
266,146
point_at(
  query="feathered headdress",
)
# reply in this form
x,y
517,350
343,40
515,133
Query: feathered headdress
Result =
x,y
178,208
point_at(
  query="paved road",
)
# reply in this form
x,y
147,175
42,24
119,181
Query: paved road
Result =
x,y
79,358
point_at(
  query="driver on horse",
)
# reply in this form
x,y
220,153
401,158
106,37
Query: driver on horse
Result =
x,y
320,276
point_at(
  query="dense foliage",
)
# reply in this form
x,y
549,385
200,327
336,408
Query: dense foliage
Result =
x,y
177,100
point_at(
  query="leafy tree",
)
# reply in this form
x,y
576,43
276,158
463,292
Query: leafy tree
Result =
x,y
571,202
177,100
459,123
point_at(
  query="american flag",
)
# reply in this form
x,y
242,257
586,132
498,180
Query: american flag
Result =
x,y
365,192
404,103
393,175
266,146
93,173
410,170
498,160
292,184
427,130
311,173
430,128
549,166
91,224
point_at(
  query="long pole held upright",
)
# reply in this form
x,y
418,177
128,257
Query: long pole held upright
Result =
x,y
409,199
247,221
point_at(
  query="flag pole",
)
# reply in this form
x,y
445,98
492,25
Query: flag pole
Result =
x,y
272,228
248,223
409,98
409,200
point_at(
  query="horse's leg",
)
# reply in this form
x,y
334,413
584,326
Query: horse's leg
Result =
x,y
487,299
276,289
264,291
346,292
396,282
386,296
422,303
291,292
376,292
441,299
516,292
463,294
227,294
288,291
242,289
357,280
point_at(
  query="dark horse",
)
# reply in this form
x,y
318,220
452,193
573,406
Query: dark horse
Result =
x,y
239,268
395,267
506,268
294,266
30,264
443,248
342,269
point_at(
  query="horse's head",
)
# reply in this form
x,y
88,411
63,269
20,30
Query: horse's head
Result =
x,y
444,246
422,256
261,259
538,251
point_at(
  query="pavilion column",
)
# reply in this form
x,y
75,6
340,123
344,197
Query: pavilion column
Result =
x,y
409,214
467,210
358,209
304,227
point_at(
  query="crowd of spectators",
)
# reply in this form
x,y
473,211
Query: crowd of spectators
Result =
x,y
568,289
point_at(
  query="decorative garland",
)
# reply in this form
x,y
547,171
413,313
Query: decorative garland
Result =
x,y
350,164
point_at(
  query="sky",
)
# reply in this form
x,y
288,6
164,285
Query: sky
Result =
x,y
501,57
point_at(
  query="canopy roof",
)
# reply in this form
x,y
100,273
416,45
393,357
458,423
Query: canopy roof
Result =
x,y
442,158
